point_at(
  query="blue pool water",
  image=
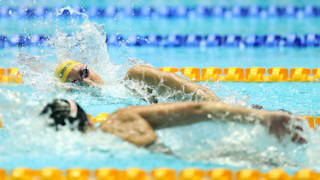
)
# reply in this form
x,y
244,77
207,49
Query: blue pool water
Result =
x,y
26,141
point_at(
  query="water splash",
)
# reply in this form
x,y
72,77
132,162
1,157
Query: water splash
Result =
x,y
80,40
86,44
239,145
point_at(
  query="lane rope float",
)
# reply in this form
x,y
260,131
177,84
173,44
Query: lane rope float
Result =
x,y
157,174
252,74
166,11
212,74
10,75
179,40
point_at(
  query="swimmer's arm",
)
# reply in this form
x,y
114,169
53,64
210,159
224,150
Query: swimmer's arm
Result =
x,y
95,78
153,77
130,127
184,113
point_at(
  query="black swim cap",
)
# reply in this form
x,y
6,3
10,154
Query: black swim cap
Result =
x,y
60,111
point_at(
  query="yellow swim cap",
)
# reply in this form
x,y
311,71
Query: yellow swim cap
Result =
x,y
63,70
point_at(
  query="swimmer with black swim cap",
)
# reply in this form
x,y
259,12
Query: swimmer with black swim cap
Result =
x,y
137,124
64,112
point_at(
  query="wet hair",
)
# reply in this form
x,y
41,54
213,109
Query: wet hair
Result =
x,y
59,111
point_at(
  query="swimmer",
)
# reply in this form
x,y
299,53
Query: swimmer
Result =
x,y
75,72
137,124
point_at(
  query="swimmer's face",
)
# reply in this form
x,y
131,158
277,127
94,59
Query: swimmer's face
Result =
x,y
83,75
78,73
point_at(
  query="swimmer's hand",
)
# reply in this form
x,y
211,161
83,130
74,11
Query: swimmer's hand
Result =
x,y
282,124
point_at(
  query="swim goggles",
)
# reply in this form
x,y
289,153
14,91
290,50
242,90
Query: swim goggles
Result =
x,y
84,72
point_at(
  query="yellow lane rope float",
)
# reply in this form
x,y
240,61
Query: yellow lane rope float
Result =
x,y
10,75
155,174
0,121
208,74
99,118
252,74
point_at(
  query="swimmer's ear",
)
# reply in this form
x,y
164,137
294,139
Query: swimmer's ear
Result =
x,y
83,118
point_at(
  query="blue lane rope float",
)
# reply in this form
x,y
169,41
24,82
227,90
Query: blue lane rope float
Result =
x,y
168,12
191,40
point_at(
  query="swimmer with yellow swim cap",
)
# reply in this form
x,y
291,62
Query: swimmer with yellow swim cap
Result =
x,y
74,72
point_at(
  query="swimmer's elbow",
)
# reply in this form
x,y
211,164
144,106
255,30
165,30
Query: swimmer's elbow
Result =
x,y
132,73
137,70
144,140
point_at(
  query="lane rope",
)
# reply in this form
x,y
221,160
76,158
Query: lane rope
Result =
x,y
176,40
212,74
159,174
167,11
251,74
